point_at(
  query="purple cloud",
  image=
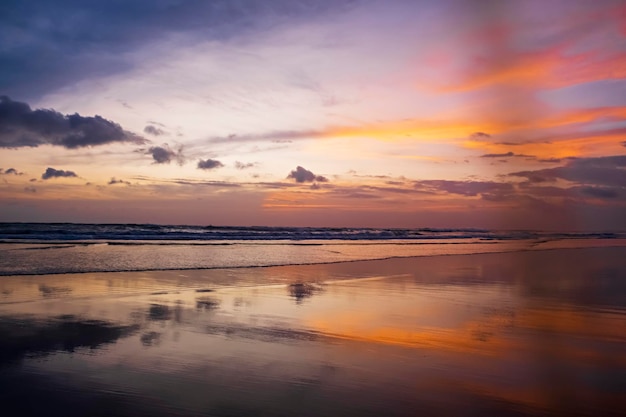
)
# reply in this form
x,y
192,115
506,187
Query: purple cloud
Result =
x,y
209,164
304,175
164,154
602,171
20,126
57,173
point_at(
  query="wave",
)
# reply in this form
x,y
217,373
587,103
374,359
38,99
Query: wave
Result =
x,y
123,233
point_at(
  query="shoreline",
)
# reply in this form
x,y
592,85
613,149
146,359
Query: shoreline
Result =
x,y
69,286
545,246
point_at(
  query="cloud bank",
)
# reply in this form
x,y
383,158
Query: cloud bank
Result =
x,y
20,126
602,171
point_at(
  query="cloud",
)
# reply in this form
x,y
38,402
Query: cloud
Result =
x,y
480,136
624,143
114,181
506,155
600,192
602,171
303,175
20,126
42,51
30,189
209,164
498,155
57,173
164,154
10,171
279,136
241,165
466,188
153,130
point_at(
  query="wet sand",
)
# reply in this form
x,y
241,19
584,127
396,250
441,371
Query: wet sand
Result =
x,y
526,333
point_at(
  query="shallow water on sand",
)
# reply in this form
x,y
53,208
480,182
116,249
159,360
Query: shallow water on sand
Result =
x,y
530,333
72,257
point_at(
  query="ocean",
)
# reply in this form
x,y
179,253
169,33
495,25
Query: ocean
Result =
x,y
57,248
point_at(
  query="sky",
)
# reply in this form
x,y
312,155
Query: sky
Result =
x,y
342,113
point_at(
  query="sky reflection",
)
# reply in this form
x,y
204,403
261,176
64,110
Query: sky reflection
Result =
x,y
493,334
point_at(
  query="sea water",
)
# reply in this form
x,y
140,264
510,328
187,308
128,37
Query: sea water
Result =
x,y
55,248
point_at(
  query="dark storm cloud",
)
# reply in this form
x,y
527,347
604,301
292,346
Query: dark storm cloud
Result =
x,y
57,173
164,154
209,164
602,171
46,45
303,175
153,130
21,126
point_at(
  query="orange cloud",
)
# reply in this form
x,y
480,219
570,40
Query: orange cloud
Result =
x,y
492,57
592,145
551,68
525,69
458,129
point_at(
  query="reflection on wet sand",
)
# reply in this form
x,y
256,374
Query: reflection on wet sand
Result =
x,y
28,337
301,290
535,333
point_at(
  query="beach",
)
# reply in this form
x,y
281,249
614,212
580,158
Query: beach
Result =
x,y
503,334
290,208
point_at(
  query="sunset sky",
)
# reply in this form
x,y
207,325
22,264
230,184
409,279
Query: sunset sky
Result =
x,y
382,113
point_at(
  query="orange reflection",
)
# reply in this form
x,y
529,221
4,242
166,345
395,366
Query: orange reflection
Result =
x,y
467,339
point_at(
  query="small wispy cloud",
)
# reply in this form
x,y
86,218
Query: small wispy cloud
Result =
x,y
465,188
242,165
114,181
279,136
153,130
10,171
480,136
